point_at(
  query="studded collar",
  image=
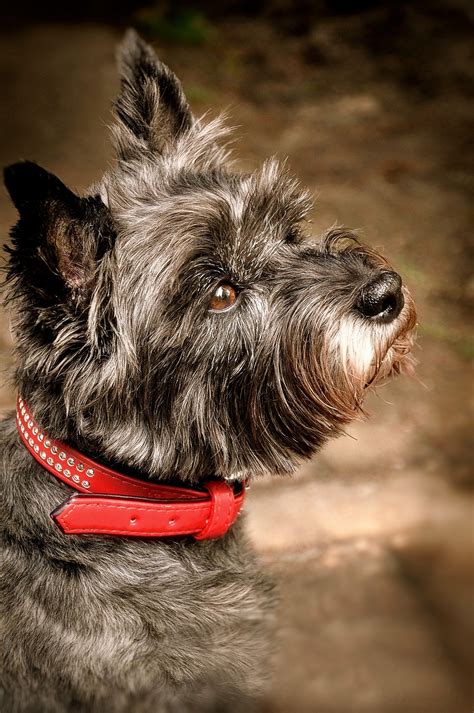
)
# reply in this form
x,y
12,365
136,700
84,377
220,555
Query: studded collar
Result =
x,y
107,502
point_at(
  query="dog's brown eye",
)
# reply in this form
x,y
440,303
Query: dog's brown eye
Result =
x,y
223,298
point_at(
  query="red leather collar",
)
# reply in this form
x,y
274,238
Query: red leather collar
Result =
x,y
109,503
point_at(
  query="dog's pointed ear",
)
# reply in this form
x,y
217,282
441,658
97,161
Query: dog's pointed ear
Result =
x,y
60,236
151,108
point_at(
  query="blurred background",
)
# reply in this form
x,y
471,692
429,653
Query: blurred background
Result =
x,y
372,543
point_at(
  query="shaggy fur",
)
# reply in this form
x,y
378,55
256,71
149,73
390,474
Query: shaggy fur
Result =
x,y
119,355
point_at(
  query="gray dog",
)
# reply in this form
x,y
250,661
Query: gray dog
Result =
x,y
177,336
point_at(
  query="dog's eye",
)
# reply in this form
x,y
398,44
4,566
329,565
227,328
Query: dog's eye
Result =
x,y
224,297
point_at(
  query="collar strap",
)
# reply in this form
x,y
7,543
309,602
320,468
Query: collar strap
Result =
x,y
110,503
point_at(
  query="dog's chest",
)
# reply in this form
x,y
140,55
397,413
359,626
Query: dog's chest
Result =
x,y
139,617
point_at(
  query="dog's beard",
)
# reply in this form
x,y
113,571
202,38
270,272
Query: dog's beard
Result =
x,y
370,352
398,359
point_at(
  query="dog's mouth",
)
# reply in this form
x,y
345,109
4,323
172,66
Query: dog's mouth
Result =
x,y
396,356
398,359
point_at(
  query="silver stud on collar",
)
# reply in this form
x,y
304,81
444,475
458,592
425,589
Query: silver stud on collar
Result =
x,y
80,467
67,472
41,438
76,478
50,461
90,472
54,450
86,484
58,467
62,455
43,455
47,443
70,461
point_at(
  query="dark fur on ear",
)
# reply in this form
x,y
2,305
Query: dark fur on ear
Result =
x,y
59,239
152,109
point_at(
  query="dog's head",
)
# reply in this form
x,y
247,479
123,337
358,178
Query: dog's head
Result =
x,y
177,320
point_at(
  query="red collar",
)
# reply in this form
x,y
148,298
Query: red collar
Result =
x,y
110,503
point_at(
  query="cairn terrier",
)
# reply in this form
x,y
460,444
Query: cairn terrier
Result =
x,y
178,335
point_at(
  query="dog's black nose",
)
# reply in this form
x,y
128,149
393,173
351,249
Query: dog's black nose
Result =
x,y
382,298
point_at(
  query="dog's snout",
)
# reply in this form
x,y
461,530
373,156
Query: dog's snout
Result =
x,y
382,297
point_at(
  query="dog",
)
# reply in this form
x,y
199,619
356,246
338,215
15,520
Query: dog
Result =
x,y
177,335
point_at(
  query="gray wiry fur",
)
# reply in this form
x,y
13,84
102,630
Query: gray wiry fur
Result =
x,y
119,355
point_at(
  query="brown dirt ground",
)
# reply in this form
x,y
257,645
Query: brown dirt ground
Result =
x,y
372,543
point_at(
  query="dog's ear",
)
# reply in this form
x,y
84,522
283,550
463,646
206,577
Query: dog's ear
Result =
x,y
151,108
60,237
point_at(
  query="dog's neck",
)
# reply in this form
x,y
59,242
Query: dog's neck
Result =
x,y
142,446
111,503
